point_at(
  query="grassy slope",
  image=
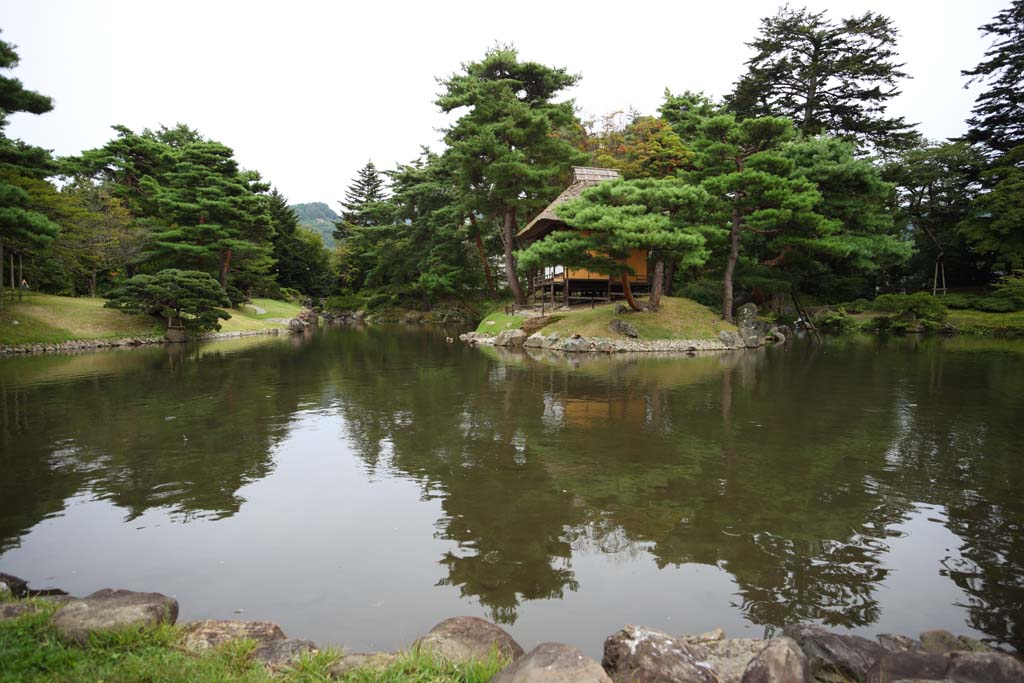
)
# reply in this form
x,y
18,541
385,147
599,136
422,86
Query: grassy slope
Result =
x,y
497,321
33,651
970,322
47,319
677,319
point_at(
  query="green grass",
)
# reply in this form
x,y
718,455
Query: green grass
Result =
x,y
981,322
49,319
677,318
496,321
31,651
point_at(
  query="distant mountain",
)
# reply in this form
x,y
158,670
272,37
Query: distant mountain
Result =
x,y
319,218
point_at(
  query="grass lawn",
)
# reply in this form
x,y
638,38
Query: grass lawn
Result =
x,y
49,319
32,650
678,318
495,322
982,322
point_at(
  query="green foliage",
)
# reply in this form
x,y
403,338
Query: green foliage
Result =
x,y
318,217
646,147
661,215
189,298
827,76
835,321
345,302
363,204
997,121
302,263
994,228
923,305
857,306
704,290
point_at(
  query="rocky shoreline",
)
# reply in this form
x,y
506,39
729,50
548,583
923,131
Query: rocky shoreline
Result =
x,y
802,653
751,333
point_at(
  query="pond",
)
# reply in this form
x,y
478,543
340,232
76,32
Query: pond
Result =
x,y
360,484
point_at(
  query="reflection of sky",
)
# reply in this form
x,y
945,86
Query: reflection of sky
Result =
x,y
343,556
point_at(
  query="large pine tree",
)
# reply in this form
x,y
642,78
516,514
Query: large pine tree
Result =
x,y
22,226
503,149
997,121
827,76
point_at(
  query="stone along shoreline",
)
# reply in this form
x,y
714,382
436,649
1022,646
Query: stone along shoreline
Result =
x,y
802,653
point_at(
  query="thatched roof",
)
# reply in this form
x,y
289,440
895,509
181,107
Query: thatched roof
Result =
x,y
546,221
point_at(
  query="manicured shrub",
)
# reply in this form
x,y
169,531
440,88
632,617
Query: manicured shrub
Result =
x,y
923,305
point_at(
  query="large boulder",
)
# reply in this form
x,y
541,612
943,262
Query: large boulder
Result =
x,y
730,339
990,667
894,642
908,664
198,636
750,337
850,656
636,654
534,341
623,328
14,610
550,340
746,316
463,639
552,663
576,344
108,609
510,338
728,657
13,585
279,653
363,661
296,325
780,661
940,642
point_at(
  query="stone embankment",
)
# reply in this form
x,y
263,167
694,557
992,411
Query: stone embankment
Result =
x,y
801,654
751,333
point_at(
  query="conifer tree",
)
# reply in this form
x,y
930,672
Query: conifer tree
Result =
x,y
997,121
363,201
503,149
22,226
827,76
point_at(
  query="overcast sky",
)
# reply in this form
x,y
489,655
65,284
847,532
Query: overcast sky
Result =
x,y
307,92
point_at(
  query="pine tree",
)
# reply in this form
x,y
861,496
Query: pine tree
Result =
x,y
660,215
22,226
363,200
300,260
503,149
997,123
828,77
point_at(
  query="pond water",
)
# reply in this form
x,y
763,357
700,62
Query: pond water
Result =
x,y
361,484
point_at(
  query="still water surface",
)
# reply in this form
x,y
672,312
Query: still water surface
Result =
x,y
359,485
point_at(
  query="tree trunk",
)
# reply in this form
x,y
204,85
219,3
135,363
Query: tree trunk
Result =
x,y
730,266
657,286
510,259
21,274
483,259
670,276
225,269
628,293
1,275
12,275
92,284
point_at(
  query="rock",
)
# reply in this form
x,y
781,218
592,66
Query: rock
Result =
x,y
984,667
604,346
641,655
550,340
707,637
5,590
13,610
780,661
728,657
622,327
746,316
553,663
109,609
535,341
510,338
846,655
971,644
463,639
893,642
939,642
730,339
750,337
908,664
278,653
296,325
534,324
175,335
198,636
371,661
576,344
621,309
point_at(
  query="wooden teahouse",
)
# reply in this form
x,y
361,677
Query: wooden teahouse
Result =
x,y
570,284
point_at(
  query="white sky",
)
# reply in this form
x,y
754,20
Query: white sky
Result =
x,y
307,92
